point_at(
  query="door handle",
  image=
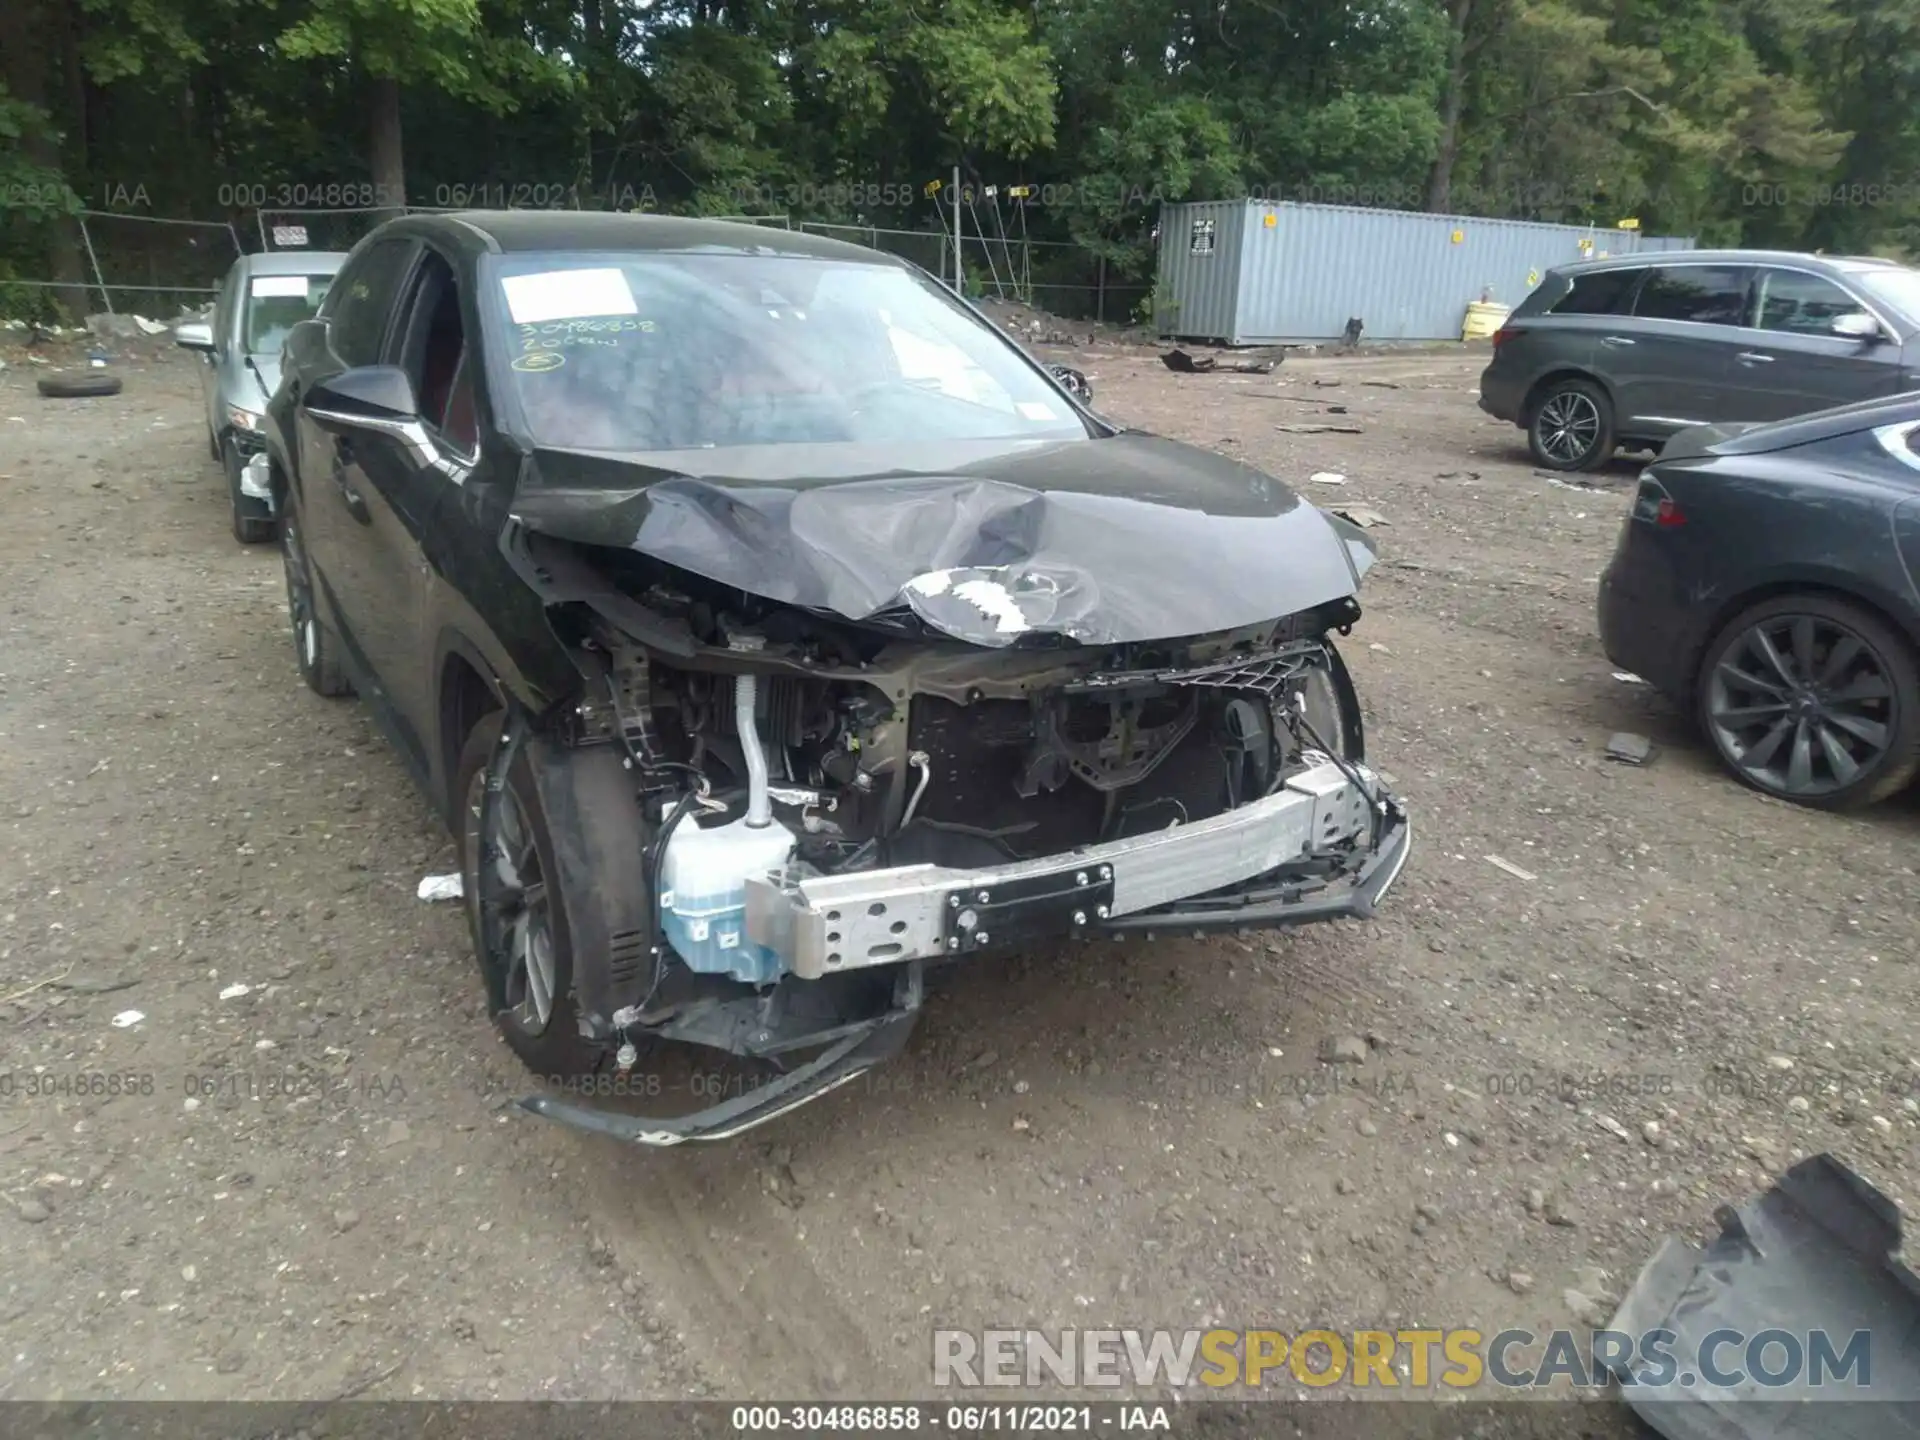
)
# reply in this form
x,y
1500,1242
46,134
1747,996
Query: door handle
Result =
x,y
350,497
1753,357
1616,340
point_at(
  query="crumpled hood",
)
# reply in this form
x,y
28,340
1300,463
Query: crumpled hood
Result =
x,y
1108,541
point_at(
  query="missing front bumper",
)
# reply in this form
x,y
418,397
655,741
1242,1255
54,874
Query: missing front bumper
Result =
x,y
828,924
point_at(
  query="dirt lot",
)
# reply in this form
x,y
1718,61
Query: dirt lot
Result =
x,y
312,1189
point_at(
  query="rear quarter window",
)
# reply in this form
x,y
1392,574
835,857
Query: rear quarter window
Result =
x,y
1600,292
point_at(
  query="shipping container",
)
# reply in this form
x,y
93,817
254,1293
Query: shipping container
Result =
x,y
1251,272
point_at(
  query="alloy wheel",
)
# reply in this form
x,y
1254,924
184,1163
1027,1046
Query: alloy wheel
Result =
x,y
516,920
1568,426
306,626
1802,705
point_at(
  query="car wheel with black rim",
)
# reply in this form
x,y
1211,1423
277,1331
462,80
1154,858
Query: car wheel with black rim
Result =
x,y
517,913
313,642
252,521
1813,700
1571,426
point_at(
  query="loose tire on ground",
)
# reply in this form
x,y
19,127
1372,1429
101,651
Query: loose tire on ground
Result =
x,y
79,387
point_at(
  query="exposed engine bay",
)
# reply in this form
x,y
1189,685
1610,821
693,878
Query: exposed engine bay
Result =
x,y
865,750
835,796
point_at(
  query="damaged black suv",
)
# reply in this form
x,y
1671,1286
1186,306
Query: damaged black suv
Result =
x,y
769,628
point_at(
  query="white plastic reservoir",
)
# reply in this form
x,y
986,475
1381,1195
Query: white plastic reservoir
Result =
x,y
703,895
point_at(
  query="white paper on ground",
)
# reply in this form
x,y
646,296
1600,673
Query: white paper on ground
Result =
x,y
127,1019
270,285
441,887
567,295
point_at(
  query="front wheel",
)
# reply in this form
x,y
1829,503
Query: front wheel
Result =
x,y
252,521
313,643
517,914
1571,427
1813,700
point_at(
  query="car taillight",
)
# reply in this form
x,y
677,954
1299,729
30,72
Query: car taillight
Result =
x,y
1652,505
1502,335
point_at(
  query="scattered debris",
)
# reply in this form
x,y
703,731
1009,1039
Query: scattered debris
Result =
x,y
1181,363
95,984
1511,868
1344,1050
441,887
1561,482
27,990
1317,429
1382,384
1629,749
1458,475
1613,1127
1813,1255
1627,677
1327,477
127,1019
1350,337
1326,384
1360,515
235,991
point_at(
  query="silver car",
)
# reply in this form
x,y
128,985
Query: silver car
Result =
x,y
1631,350
262,298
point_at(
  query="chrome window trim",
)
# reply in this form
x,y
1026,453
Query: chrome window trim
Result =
x,y
1894,333
1887,325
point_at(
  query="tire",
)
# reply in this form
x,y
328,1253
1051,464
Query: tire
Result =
x,y
1570,426
1845,738
315,648
252,522
509,944
79,387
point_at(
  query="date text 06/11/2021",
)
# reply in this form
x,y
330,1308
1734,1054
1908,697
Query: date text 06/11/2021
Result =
x,y
976,1419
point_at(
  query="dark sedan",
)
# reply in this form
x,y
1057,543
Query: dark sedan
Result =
x,y
768,627
1765,582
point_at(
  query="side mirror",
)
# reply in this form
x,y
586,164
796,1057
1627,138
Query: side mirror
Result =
x,y
366,397
1073,382
194,335
1856,325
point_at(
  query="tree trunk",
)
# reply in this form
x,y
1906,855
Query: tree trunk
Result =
x,y
389,165
1440,177
33,45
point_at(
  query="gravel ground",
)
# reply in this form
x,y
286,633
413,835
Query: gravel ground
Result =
x,y
311,1189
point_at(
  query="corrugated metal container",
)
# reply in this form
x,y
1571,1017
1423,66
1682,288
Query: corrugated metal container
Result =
x,y
1251,272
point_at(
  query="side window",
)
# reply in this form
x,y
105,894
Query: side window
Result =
x,y
1704,294
362,298
1602,292
432,349
1801,304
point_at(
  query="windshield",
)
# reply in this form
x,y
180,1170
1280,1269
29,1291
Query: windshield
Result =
x,y
672,351
277,303
1897,288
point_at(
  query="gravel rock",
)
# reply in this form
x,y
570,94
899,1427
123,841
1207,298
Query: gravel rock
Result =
x,y
1520,1282
34,1212
345,1219
1344,1050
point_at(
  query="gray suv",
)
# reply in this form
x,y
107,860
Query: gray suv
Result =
x,y
1629,350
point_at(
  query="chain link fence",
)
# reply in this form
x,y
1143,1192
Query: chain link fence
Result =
x,y
148,265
